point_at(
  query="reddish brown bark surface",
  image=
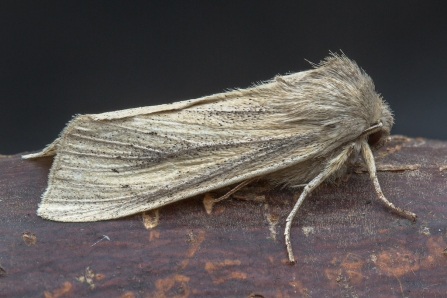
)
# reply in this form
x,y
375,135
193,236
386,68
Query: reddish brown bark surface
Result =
x,y
346,242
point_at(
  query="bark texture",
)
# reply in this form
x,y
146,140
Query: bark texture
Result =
x,y
346,243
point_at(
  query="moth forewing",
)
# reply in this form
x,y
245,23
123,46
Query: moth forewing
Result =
x,y
291,130
129,165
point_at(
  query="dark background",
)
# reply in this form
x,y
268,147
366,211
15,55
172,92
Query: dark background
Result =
x,y
58,58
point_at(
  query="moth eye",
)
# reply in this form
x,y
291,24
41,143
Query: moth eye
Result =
x,y
374,138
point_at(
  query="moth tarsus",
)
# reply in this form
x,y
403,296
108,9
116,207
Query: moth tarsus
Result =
x,y
296,130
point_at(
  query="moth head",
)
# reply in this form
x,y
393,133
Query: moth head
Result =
x,y
379,136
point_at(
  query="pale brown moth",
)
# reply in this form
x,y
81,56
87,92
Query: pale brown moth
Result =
x,y
298,129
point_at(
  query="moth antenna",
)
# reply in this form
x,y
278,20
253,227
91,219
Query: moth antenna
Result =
x,y
333,165
369,160
372,129
235,189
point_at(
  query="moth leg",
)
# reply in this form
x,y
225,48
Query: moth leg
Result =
x,y
369,160
333,165
235,189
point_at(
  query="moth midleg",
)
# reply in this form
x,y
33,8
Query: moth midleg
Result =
x,y
369,160
333,165
235,189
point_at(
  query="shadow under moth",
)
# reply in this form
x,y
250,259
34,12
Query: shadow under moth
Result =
x,y
295,130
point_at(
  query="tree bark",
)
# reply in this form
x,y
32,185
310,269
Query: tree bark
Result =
x,y
346,242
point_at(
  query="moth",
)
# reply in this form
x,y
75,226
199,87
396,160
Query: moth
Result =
x,y
297,129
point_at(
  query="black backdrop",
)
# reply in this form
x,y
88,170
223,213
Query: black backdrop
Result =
x,y
60,58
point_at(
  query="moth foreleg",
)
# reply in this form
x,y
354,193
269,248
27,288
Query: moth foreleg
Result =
x,y
333,165
369,160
